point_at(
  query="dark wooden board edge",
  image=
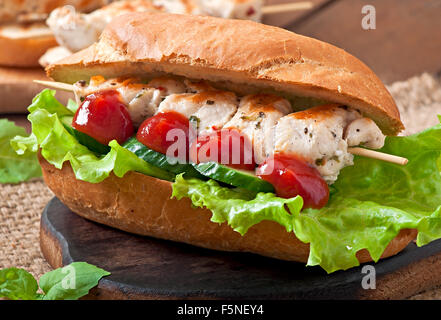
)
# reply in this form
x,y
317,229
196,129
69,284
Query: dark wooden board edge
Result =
x,y
415,278
55,250
419,276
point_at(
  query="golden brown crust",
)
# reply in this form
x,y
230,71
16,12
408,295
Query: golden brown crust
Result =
x,y
24,52
236,54
141,204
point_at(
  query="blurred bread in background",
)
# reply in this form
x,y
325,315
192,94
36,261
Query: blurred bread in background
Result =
x,y
24,35
75,30
24,38
32,10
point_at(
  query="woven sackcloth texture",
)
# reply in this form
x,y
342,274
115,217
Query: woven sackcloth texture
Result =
x,y
419,101
20,209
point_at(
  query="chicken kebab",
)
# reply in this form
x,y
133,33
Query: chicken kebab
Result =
x,y
313,142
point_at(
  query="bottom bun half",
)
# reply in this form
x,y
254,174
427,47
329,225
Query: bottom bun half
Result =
x,y
24,52
142,205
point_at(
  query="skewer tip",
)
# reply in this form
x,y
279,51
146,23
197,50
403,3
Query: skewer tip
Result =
x,y
379,156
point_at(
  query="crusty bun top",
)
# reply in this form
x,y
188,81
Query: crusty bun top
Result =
x,y
238,55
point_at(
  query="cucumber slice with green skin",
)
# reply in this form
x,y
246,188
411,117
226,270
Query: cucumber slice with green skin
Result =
x,y
161,160
238,178
85,139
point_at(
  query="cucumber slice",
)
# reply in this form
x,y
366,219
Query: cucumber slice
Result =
x,y
161,160
67,123
238,178
83,138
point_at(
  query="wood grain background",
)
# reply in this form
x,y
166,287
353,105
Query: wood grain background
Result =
x,y
406,42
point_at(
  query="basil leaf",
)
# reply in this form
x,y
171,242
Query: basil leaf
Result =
x,y
70,282
17,284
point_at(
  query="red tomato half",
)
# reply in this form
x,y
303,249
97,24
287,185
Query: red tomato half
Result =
x,y
104,117
168,133
227,147
292,176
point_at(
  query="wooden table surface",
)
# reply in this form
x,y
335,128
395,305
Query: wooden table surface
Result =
x,y
406,41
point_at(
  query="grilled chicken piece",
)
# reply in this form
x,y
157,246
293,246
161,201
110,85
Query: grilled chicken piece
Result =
x,y
168,86
364,132
232,9
96,83
178,6
53,55
198,86
76,31
229,9
207,110
256,118
319,135
142,101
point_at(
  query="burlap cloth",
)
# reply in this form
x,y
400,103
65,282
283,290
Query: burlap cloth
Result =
x,y
418,98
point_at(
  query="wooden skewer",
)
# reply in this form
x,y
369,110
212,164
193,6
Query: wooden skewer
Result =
x,y
357,151
56,85
378,155
287,7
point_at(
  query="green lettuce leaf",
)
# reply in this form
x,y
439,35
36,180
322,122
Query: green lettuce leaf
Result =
x,y
370,203
46,100
14,167
58,145
241,209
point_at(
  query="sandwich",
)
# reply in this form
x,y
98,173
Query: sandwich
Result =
x,y
236,136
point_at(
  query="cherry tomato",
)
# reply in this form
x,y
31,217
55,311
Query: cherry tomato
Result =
x,y
227,147
291,176
167,132
104,117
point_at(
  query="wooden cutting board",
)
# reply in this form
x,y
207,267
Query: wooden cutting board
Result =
x,y
17,88
147,268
